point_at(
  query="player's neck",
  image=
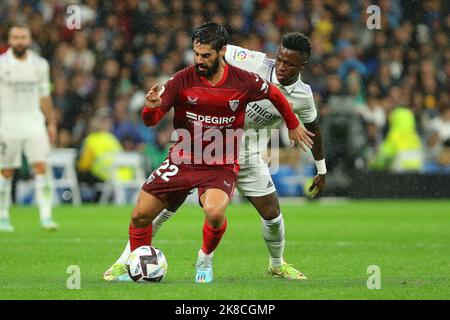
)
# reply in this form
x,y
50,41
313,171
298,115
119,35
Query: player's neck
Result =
x,y
216,77
291,81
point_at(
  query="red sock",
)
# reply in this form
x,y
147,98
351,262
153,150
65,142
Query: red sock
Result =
x,y
212,236
140,236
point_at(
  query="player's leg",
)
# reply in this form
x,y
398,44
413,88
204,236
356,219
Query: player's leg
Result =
x,y
272,225
5,199
37,150
214,202
256,184
163,216
274,235
140,233
10,158
156,194
118,272
147,208
44,195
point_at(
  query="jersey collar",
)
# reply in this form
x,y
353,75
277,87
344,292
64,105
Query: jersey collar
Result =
x,y
224,78
14,60
289,89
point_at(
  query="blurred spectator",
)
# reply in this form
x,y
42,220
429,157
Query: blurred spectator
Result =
x,y
98,149
124,128
349,60
401,151
79,57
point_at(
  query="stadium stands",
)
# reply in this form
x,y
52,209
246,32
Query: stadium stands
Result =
x,y
125,46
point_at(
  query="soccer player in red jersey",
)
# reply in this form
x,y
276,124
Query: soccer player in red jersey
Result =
x,y
209,100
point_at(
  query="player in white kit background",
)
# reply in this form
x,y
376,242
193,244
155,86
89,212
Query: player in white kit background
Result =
x,y
254,180
25,107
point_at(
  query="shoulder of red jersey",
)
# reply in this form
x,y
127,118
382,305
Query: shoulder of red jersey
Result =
x,y
251,79
183,73
245,76
178,80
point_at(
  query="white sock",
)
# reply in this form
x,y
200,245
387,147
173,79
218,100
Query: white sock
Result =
x,y
5,197
273,234
202,255
44,196
162,217
125,254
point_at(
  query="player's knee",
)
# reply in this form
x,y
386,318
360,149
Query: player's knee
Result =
x,y
139,218
269,212
214,215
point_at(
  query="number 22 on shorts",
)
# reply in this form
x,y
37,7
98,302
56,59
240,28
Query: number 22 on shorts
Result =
x,y
169,171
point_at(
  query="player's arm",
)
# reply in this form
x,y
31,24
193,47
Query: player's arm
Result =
x,y
47,102
152,116
49,113
153,99
307,113
296,131
319,180
152,113
244,58
159,102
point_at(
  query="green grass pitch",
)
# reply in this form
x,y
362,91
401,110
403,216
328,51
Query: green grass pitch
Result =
x,y
332,243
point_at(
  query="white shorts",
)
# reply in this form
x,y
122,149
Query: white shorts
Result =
x,y
254,180
36,149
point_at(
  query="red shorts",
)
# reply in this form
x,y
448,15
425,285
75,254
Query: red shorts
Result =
x,y
172,183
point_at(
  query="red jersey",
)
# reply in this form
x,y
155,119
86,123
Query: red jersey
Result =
x,y
209,120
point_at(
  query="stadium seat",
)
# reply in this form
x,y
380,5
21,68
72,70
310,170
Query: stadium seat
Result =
x,y
117,188
62,161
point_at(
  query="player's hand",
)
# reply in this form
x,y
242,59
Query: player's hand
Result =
x,y
302,137
318,185
52,132
152,98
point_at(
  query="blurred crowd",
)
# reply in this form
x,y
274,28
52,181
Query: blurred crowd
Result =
x,y
358,75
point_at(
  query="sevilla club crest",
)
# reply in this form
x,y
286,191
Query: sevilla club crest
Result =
x,y
234,104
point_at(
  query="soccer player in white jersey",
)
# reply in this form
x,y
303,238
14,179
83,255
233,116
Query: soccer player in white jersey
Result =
x,y
25,106
254,180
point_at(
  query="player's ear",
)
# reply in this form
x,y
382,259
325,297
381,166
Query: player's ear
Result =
x,y
222,51
303,65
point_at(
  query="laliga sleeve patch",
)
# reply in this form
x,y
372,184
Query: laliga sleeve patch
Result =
x,y
240,55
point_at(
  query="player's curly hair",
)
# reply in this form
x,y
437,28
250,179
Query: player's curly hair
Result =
x,y
298,42
212,34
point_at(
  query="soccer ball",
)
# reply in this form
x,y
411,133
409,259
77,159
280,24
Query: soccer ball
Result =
x,y
147,264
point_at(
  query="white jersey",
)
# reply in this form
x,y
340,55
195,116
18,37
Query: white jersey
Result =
x,y
22,84
262,114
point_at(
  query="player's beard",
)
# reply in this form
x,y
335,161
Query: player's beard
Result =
x,y
210,70
19,51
